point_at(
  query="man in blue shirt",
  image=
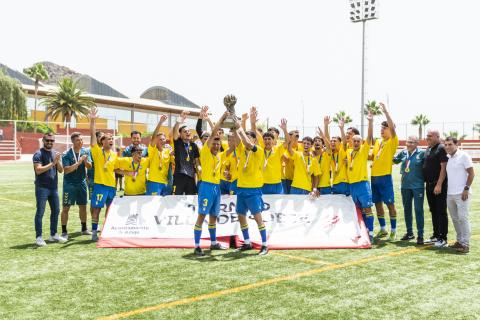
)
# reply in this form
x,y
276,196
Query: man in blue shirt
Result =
x,y
75,162
47,164
412,186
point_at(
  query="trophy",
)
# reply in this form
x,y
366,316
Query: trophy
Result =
x,y
229,101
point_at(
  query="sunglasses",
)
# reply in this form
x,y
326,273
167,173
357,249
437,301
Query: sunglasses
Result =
x,y
50,140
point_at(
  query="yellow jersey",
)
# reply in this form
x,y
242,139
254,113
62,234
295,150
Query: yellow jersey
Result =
x,y
304,168
159,164
288,163
324,162
232,163
339,167
272,167
383,153
138,184
104,164
357,163
210,165
250,167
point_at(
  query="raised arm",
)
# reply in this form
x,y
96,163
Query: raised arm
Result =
x,y
391,124
92,115
341,125
216,127
243,136
183,116
370,128
154,138
244,121
326,123
253,125
283,126
199,126
322,135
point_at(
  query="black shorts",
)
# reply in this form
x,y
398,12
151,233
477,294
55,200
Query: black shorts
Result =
x,y
183,184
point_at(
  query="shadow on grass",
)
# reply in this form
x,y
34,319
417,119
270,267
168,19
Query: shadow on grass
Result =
x,y
25,246
227,256
74,243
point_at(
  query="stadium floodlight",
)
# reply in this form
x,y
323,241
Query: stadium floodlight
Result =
x,y
362,11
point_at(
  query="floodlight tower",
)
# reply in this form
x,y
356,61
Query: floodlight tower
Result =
x,y
362,11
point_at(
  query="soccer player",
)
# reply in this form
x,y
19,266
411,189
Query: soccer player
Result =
x,y
105,162
306,170
323,155
136,138
250,182
358,175
338,163
134,169
382,183
231,163
160,162
74,163
348,143
288,163
187,158
209,190
47,164
274,154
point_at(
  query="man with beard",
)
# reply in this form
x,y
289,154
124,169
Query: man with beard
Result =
x,y
187,158
136,139
47,165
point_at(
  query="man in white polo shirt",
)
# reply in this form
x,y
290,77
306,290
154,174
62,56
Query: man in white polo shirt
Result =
x,y
460,177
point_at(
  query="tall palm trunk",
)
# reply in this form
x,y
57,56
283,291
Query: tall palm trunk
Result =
x,y
420,129
35,108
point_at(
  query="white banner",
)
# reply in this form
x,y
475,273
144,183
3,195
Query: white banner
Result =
x,y
292,221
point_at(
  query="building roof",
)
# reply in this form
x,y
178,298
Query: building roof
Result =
x,y
168,96
139,104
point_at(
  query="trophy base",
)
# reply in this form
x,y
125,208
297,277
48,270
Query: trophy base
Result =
x,y
228,123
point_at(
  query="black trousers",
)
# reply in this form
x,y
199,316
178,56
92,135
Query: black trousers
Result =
x,y
183,184
438,208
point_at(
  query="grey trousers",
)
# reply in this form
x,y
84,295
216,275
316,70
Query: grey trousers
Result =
x,y
459,212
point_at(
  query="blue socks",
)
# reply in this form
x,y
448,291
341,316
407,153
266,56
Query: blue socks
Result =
x,y
393,223
94,226
212,229
246,236
197,233
369,222
382,222
263,234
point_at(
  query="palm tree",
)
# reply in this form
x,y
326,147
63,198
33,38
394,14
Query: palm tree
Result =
x,y
372,107
455,135
476,127
38,73
421,121
342,115
67,101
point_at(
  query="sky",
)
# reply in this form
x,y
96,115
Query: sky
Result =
x,y
281,56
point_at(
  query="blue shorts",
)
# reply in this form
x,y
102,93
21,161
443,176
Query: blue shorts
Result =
x,y
361,194
102,195
382,189
233,188
272,188
341,188
209,198
249,199
287,185
225,186
294,190
325,190
156,188
74,194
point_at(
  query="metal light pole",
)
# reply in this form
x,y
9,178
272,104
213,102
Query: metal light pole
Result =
x,y
362,11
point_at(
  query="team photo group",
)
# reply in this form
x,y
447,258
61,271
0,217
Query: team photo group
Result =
x,y
238,158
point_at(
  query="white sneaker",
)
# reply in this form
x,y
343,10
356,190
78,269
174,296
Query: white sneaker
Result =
x,y
64,236
94,236
40,242
440,243
57,238
86,233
